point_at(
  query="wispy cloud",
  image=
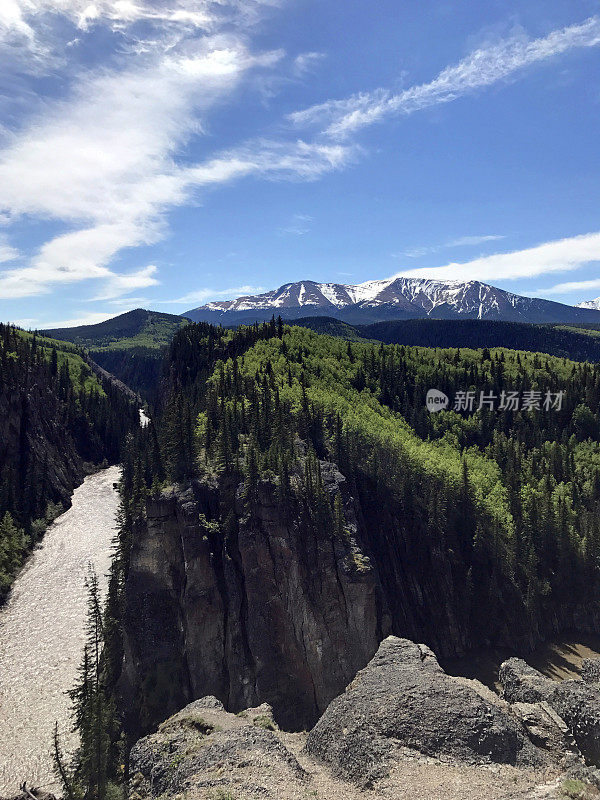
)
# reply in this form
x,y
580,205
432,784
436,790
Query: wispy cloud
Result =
x,y
31,20
307,62
123,284
205,295
461,241
472,241
114,182
298,225
86,318
571,286
484,67
7,252
556,256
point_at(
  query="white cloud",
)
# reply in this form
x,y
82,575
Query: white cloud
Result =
x,y
122,284
571,286
468,241
461,241
298,225
483,67
90,318
557,256
7,252
204,295
28,19
307,62
104,160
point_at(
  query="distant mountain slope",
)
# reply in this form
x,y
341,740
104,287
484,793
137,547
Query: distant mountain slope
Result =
x,y
129,346
575,344
395,298
137,328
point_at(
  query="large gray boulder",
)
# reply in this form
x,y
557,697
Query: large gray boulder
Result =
x,y
524,684
575,701
205,752
578,704
403,699
590,670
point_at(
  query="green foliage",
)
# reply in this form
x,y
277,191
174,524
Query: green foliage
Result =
x,y
578,790
13,544
508,502
95,771
576,342
138,328
50,396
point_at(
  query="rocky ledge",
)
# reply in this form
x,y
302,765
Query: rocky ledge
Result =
x,y
402,729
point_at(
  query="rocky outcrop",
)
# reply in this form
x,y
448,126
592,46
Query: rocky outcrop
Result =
x,y
575,701
590,670
403,728
269,607
579,705
216,753
403,698
248,608
522,683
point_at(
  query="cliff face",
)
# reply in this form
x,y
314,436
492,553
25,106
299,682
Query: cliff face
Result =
x,y
265,607
32,430
259,607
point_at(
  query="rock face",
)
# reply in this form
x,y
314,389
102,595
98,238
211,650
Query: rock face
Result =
x,y
31,421
403,728
269,607
252,609
579,705
522,683
575,701
590,670
219,754
403,698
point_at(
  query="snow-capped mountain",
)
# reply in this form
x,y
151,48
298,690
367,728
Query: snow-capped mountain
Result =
x,y
594,304
394,298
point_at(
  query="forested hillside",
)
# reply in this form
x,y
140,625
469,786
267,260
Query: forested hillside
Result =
x,y
579,343
514,494
310,479
55,417
129,346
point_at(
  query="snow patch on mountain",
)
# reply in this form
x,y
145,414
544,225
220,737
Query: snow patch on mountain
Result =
x,y
592,304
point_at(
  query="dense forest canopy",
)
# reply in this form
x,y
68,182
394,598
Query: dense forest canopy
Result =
x,y
55,414
517,493
576,342
511,497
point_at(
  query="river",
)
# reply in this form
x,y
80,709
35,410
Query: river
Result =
x,y
42,632
42,636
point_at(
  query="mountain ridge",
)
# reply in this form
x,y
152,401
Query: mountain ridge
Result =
x,y
392,298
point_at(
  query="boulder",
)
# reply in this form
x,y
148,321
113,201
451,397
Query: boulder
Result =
x,y
208,752
524,684
590,670
575,701
578,704
403,699
546,729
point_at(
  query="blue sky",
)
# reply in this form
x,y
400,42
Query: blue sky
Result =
x,y
163,153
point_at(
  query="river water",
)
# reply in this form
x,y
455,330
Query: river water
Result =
x,y
42,632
